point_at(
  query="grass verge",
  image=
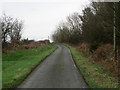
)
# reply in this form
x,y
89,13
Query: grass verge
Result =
x,y
16,65
0,70
93,73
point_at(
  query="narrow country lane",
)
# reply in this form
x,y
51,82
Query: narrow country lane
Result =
x,y
56,71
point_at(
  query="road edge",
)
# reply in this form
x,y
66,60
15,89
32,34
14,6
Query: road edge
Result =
x,y
76,66
40,62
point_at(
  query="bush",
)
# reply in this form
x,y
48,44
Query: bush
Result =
x,y
103,52
104,56
84,48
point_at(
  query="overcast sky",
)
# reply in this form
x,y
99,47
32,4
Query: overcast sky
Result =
x,y
41,17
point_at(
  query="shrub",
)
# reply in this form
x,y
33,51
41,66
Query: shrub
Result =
x,y
103,52
104,56
84,48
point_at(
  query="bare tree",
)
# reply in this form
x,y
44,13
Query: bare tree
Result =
x,y
15,32
6,25
11,29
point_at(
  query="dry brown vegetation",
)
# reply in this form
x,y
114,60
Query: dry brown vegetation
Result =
x,y
84,48
15,46
103,55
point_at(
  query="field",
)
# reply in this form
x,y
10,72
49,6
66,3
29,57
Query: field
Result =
x,y
94,74
16,65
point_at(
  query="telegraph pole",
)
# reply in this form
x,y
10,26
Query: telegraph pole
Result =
x,y
114,33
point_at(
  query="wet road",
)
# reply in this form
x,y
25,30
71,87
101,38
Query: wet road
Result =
x,y
56,71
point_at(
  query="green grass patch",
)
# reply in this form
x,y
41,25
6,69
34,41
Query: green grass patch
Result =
x,y
0,70
16,65
93,73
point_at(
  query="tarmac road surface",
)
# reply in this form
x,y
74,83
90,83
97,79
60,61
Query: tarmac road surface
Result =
x,y
56,71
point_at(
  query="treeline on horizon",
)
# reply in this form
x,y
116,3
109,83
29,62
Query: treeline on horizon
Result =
x,y
11,35
94,26
92,33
